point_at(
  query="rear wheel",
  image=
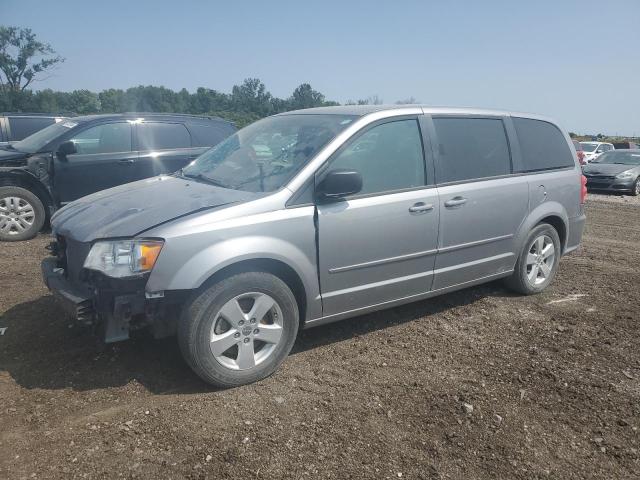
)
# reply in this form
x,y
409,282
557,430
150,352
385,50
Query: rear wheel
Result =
x,y
240,329
635,191
22,214
537,264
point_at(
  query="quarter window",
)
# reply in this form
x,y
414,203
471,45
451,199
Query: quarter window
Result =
x,y
162,136
542,145
107,138
471,148
388,156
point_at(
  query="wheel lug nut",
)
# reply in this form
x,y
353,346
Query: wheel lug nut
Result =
x,y
256,331
246,340
253,320
241,322
236,335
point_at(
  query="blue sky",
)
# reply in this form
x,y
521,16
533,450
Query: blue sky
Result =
x,y
577,61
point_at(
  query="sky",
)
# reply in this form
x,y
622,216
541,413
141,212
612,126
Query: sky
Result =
x,y
576,61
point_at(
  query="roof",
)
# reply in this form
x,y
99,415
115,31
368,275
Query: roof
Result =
x,y
362,110
146,115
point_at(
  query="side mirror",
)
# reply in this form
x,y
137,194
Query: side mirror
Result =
x,y
67,148
340,183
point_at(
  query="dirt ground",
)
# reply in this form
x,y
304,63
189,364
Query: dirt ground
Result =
x,y
476,384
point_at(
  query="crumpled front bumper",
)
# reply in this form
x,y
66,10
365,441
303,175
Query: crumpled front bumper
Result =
x,y
74,301
112,310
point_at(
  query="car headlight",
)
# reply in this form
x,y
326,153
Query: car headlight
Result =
x,y
123,258
627,174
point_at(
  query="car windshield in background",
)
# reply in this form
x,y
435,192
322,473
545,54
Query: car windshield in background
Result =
x,y
268,153
588,146
623,158
33,143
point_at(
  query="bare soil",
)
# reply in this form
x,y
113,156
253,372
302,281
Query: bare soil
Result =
x,y
476,384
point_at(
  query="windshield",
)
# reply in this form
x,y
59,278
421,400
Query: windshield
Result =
x,y
268,153
623,158
589,146
33,143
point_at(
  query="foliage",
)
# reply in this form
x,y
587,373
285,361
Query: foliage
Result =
x,y
246,103
22,58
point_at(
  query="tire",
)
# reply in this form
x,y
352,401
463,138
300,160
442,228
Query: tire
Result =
x,y
635,191
22,214
217,325
531,275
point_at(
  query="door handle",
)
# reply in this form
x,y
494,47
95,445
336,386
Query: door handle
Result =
x,y
421,207
455,202
126,161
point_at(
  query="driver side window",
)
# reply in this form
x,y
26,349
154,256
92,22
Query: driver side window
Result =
x,y
106,138
388,156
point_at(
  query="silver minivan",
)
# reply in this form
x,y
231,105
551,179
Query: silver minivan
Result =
x,y
314,216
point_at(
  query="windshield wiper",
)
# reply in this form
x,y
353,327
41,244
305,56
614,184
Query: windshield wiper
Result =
x,y
206,179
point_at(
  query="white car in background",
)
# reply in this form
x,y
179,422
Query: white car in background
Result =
x,y
593,150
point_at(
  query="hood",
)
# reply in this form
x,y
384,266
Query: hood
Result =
x,y
13,158
130,209
606,168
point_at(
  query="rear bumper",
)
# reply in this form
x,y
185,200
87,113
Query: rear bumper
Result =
x,y
574,233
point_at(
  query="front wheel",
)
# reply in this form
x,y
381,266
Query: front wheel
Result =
x,y
22,214
239,330
635,191
537,264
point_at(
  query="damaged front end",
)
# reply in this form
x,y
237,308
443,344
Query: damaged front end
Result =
x,y
114,306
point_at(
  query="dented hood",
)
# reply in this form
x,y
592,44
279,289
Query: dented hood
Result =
x,y
130,209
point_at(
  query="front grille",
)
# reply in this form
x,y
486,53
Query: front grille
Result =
x,y
599,176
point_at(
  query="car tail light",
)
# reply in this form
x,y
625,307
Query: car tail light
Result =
x,y
581,157
583,189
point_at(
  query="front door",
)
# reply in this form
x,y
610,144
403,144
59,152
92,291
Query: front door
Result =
x,y
104,159
481,204
379,245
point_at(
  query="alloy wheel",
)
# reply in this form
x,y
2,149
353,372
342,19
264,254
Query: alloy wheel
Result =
x,y
246,331
540,260
16,215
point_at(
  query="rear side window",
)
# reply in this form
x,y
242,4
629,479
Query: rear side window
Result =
x,y
471,148
22,127
162,136
542,144
208,135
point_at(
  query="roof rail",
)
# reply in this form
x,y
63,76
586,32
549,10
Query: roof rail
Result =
x,y
38,114
191,115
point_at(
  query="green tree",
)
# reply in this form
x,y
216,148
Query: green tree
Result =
x,y
23,58
251,96
306,97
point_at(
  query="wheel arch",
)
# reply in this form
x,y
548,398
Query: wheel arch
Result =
x,y
277,268
23,179
552,213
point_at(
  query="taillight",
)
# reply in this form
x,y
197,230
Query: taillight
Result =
x,y
581,157
583,189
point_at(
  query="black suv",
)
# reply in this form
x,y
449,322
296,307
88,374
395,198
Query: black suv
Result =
x,y
82,155
16,126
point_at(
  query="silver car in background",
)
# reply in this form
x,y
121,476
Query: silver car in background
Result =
x,y
314,216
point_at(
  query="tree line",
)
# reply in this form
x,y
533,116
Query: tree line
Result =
x,y
246,103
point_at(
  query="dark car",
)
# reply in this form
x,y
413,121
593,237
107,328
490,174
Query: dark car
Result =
x,y
615,171
16,126
82,155
625,145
